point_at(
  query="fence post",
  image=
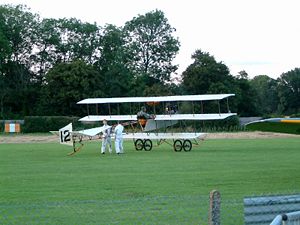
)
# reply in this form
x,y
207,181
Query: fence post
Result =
x,y
284,219
214,217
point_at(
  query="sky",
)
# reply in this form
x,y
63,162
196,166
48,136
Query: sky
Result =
x,y
259,36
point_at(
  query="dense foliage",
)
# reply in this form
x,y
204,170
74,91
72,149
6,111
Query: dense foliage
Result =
x,y
47,65
44,124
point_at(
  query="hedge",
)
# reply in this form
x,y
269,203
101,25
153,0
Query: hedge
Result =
x,y
1,127
41,124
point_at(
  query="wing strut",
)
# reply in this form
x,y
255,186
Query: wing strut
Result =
x,y
109,110
228,110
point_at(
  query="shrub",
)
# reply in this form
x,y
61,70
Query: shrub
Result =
x,y
2,127
34,124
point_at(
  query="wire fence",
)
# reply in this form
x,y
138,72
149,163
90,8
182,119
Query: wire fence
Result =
x,y
147,210
292,218
262,210
164,210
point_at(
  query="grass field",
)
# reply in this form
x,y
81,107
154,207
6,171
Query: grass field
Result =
x,y
40,184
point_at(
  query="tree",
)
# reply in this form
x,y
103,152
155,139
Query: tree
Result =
x,y
20,29
17,35
246,96
266,94
151,45
5,48
112,64
206,75
289,91
78,40
47,47
66,84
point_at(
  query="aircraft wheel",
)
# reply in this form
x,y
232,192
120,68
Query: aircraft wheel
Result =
x,y
187,145
139,144
147,145
177,145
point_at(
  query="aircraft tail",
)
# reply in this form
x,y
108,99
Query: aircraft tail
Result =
x,y
65,135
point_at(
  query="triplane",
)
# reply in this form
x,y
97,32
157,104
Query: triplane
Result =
x,y
142,127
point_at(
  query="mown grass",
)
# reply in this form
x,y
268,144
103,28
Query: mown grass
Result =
x,y
139,187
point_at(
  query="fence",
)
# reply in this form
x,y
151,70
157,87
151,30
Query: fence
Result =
x,y
146,210
160,210
262,210
287,219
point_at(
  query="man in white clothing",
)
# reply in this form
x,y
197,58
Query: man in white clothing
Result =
x,y
106,137
119,138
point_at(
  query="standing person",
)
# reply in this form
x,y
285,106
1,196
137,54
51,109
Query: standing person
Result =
x,y
106,137
119,138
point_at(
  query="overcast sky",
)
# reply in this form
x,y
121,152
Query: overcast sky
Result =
x,y
258,36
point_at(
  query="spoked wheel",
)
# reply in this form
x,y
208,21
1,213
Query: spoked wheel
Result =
x,y
177,145
139,144
187,145
147,145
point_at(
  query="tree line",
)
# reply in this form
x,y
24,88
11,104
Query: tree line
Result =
x,y
47,65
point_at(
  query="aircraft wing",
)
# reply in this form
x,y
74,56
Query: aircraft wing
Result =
x,y
66,133
210,116
91,132
156,99
55,132
281,125
93,118
159,136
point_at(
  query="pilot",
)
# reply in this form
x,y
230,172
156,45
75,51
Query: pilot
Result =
x,y
143,113
106,137
142,116
119,138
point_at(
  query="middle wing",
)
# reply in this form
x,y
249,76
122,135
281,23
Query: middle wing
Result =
x,y
210,116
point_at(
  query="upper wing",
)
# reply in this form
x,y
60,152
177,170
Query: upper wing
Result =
x,y
156,99
93,118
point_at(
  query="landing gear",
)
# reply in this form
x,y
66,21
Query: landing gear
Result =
x,y
145,144
186,145
139,144
177,145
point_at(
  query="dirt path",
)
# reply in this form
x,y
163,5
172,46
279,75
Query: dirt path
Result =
x,y
29,138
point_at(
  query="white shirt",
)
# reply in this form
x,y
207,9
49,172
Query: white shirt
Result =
x,y
106,133
119,131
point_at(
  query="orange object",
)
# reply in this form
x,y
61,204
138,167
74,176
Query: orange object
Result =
x,y
142,122
17,128
152,103
7,128
290,121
